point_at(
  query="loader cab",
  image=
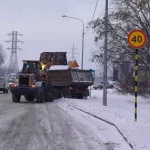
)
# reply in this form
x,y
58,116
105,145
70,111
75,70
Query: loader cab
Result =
x,y
31,66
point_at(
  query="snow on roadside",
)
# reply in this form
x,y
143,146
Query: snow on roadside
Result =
x,y
120,111
105,132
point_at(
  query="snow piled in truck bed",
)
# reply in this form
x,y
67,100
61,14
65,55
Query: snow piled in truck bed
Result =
x,y
59,67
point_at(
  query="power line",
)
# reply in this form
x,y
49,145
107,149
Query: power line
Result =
x,y
93,15
95,10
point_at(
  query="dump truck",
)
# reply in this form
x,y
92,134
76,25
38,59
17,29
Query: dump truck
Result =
x,y
51,78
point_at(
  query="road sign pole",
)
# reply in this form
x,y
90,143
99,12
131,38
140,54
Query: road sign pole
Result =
x,y
90,92
136,83
93,76
136,39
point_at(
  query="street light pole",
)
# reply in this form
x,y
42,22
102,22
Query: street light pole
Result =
x,y
83,33
105,57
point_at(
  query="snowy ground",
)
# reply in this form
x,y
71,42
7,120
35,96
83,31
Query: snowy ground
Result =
x,y
120,112
31,126
73,124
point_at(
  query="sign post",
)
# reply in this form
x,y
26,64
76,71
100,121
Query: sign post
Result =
x,y
93,74
137,40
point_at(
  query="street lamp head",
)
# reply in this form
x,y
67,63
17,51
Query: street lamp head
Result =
x,y
64,16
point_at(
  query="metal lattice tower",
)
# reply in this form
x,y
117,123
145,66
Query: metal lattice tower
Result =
x,y
13,62
73,53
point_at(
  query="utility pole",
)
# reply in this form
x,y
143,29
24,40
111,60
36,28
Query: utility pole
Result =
x,y
105,57
13,62
83,34
73,53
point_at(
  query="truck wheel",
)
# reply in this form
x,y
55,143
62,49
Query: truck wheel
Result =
x,y
41,95
50,95
29,97
69,94
4,91
62,93
16,98
57,94
79,96
65,93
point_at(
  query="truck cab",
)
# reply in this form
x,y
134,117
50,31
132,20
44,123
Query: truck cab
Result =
x,y
31,66
29,73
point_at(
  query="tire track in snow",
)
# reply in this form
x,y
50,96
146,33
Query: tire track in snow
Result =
x,y
10,133
25,126
68,132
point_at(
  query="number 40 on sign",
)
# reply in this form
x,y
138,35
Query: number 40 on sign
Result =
x,y
137,39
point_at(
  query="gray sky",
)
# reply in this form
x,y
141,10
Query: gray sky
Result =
x,y
44,29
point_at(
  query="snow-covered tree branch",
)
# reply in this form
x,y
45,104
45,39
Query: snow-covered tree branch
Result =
x,y
127,16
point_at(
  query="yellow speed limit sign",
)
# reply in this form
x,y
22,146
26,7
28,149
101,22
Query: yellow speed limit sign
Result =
x,y
137,39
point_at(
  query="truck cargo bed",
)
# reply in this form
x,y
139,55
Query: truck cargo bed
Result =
x,y
70,77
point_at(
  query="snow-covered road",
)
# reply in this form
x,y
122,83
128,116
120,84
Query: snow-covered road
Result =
x,y
31,126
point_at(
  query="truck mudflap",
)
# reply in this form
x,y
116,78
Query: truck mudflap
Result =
x,y
23,90
82,92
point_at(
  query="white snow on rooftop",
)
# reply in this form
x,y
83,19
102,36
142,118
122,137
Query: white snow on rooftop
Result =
x,y
59,67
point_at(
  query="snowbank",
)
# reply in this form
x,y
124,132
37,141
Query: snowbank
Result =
x,y
120,111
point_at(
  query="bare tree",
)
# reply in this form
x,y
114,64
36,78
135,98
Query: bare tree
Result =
x,y
126,16
2,55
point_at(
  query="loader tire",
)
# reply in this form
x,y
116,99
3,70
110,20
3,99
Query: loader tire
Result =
x,y
16,98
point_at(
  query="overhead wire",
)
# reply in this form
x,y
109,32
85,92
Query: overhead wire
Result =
x,y
93,15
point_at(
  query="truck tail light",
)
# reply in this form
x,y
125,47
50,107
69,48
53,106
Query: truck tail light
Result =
x,y
70,88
